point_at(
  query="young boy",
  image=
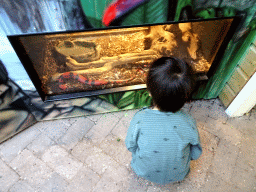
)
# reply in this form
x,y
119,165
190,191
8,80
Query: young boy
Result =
x,y
163,139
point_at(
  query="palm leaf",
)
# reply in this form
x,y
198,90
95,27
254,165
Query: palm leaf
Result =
x,y
142,99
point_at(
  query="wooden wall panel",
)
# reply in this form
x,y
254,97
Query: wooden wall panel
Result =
x,y
241,75
227,95
249,63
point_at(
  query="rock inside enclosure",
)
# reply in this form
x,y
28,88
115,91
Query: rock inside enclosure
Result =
x,y
112,58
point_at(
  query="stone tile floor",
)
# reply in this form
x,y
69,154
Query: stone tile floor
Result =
x,y
89,154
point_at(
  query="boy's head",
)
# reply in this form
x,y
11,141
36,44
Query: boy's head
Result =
x,y
170,83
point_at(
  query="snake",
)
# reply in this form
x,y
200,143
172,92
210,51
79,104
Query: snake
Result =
x,y
85,81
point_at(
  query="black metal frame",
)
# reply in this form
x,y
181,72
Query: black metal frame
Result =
x,y
27,63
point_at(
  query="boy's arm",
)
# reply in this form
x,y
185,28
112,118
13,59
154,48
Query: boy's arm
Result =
x,y
132,135
196,151
195,147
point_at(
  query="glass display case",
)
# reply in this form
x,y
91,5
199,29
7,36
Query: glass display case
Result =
x,y
73,64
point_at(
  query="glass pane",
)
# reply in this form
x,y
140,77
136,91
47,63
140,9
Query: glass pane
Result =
x,y
112,58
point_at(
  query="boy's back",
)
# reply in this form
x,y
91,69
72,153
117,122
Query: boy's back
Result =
x,y
162,145
164,140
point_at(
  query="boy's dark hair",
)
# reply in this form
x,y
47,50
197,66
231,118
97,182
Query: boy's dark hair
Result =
x,y
170,82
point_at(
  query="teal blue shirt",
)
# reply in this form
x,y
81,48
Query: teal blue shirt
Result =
x,y
162,145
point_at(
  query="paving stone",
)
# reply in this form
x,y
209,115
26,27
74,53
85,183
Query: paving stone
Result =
x,y
58,123
120,113
8,177
54,183
187,107
202,106
31,169
117,173
75,132
153,189
246,157
55,129
165,188
224,160
217,111
245,180
40,144
208,140
199,111
122,126
220,168
116,149
98,161
224,131
83,149
137,185
187,186
103,127
85,180
114,180
215,183
21,186
199,167
12,147
61,161
120,130
106,184
94,118
244,125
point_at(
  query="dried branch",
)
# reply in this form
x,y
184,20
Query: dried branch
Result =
x,y
121,59
108,63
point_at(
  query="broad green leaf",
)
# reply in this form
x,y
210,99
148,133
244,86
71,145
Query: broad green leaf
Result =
x,y
206,13
126,100
142,99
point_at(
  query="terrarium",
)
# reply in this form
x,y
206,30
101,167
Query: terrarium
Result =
x,y
74,64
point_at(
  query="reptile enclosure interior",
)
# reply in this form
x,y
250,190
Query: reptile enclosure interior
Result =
x,y
71,64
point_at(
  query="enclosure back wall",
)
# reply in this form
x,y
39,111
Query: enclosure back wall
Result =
x,y
29,16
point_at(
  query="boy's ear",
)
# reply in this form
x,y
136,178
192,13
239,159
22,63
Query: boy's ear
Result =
x,y
148,93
